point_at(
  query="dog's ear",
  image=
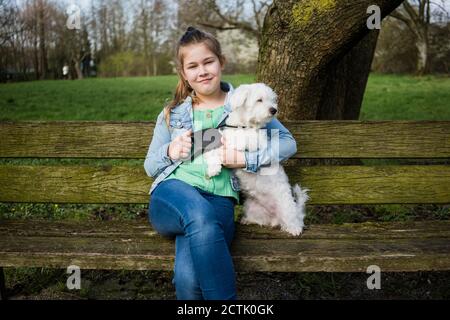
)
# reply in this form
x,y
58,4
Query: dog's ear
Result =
x,y
239,96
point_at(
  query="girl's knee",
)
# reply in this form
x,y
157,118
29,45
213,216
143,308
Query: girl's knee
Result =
x,y
160,221
203,219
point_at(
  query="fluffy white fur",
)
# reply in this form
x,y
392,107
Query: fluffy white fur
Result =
x,y
270,199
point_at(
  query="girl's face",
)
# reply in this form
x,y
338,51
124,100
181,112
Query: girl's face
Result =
x,y
202,69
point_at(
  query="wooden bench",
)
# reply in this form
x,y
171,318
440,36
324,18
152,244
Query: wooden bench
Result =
x,y
350,247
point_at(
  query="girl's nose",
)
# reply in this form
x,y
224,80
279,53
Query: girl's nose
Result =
x,y
202,69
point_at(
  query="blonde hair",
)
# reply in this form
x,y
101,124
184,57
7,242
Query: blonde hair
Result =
x,y
183,89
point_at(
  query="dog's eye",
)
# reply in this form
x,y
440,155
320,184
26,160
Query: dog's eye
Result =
x,y
259,100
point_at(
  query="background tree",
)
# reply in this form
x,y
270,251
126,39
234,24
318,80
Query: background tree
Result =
x,y
396,50
233,17
417,19
317,56
149,24
8,10
416,14
41,21
138,37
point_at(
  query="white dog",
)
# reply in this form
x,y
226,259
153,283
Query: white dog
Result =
x,y
270,200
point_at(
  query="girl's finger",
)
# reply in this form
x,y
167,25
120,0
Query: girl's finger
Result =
x,y
188,133
186,149
186,139
184,154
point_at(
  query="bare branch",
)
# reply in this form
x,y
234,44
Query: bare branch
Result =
x,y
218,27
422,4
259,12
233,24
411,11
256,15
399,16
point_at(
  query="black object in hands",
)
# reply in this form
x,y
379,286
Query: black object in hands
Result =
x,y
205,140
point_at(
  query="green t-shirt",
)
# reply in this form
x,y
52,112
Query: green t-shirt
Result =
x,y
194,172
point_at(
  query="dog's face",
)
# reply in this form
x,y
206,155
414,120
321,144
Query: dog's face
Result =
x,y
252,105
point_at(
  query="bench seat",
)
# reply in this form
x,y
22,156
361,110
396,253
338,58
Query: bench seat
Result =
x,y
393,246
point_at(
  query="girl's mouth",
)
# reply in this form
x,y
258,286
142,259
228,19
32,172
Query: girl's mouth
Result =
x,y
206,80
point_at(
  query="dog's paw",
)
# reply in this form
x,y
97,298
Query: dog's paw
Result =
x,y
294,230
213,170
213,160
246,220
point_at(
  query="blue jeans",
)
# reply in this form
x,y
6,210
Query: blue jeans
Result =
x,y
203,226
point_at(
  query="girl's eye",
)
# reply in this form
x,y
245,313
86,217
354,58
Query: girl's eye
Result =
x,y
205,63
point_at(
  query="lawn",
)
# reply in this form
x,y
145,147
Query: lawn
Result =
x,y
127,99
394,97
387,97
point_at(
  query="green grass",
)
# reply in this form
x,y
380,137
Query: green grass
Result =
x,y
403,97
387,97
127,99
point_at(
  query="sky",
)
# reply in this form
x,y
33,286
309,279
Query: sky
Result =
x,y
85,4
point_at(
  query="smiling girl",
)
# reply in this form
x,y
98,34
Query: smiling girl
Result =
x,y
185,203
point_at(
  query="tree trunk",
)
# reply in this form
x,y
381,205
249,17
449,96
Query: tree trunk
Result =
x,y
422,45
36,57
145,39
345,80
42,40
76,65
316,55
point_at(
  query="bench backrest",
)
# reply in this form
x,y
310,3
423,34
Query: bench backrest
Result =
x,y
126,182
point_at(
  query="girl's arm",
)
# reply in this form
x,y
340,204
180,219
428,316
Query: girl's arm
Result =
x,y
280,138
157,158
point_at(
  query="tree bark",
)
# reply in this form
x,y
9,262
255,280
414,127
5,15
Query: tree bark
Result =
x,y
422,45
316,55
345,81
42,39
76,65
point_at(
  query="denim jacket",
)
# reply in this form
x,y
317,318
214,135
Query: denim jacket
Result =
x,y
159,166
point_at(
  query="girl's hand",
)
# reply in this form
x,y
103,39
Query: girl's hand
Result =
x,y
180,147
232,158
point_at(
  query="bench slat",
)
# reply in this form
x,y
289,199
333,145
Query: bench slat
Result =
x,y
394,246
129,184
316,139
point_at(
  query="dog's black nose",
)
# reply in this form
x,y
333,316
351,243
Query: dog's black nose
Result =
x,y
273,111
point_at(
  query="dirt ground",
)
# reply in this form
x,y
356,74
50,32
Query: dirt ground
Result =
x,y
38,284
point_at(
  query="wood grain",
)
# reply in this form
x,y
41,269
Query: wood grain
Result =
x,y
315,139
394,246
130,184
